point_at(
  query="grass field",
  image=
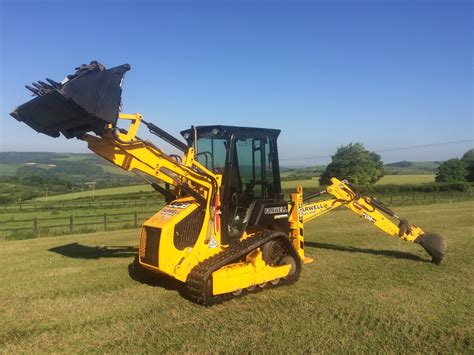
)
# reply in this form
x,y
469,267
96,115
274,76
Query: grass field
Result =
x,y
364,293
7,169
100,192
115,170
406,179
389,179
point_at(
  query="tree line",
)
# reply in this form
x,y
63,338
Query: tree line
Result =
x,y
361,167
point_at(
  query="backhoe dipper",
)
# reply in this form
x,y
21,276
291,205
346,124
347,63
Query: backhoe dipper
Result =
x,y
226,228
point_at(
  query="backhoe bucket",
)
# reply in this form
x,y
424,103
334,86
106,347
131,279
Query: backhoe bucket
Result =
x,y
434,244
87,102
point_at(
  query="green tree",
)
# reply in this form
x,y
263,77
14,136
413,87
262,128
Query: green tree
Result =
x,y
354,163
452,170
468,159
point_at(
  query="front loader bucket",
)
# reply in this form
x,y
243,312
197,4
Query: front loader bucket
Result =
x,y
87,102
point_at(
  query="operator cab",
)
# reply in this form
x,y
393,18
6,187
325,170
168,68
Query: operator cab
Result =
x,y
248,159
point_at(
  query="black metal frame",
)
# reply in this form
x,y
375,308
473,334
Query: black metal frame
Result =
x,y
232,134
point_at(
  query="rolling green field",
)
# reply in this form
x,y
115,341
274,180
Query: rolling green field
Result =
x,y
406,179
364,293
389,179
100,192
7,169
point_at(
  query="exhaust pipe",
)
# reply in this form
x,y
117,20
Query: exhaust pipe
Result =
x,y
86,101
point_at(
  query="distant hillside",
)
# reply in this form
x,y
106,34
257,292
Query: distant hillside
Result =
x,y
302,173
26,175
44,163
398,168
412,168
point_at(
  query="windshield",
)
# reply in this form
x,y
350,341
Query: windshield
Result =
x,y
211,152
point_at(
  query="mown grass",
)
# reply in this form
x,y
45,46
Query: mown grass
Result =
x,y
364,293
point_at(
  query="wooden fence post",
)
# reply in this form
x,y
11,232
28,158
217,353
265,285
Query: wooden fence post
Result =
x,y
135,215
71,223
35,226
105,221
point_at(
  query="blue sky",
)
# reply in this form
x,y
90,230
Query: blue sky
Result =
x,y
389,74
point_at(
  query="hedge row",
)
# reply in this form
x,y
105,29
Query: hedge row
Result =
x,y
430,187
392,189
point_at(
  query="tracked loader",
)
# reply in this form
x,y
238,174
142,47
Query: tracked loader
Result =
x,y
226,228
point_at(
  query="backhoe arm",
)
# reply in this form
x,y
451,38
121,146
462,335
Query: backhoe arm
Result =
x,y
373,211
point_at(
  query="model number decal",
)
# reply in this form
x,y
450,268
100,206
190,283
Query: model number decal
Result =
x,y
168,212
367,217
313,208
275,210
180,205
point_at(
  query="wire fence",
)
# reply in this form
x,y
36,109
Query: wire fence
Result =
x,y
49,226
12,228
407,198
28,207
412,197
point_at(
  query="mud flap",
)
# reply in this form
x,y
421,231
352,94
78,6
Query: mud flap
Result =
x,y
85,103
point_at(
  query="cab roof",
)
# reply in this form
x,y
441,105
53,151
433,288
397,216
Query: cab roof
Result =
x,y
225,132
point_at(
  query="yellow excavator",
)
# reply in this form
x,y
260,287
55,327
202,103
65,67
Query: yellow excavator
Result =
x,y
226,229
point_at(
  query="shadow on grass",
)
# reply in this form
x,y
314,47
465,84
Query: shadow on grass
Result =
x,y
150,278
388,253
137,273
75,250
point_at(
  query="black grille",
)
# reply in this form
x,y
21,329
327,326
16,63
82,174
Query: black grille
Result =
x,y
152,246
187,231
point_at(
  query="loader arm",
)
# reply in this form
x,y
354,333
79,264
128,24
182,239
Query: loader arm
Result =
x,y
125,150
374,212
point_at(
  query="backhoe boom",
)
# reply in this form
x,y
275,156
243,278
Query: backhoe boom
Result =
x,y
374,212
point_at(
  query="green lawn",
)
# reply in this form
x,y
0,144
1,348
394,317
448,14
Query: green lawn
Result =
x,y
364,293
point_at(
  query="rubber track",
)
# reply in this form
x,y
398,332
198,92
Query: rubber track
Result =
x,y
197,283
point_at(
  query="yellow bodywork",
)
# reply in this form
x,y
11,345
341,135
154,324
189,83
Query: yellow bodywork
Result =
x,y
254,271
161,245
343,195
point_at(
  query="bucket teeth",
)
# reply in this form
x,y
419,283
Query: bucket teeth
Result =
x,y
53,83
434,244
46,86
33,90
88,102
